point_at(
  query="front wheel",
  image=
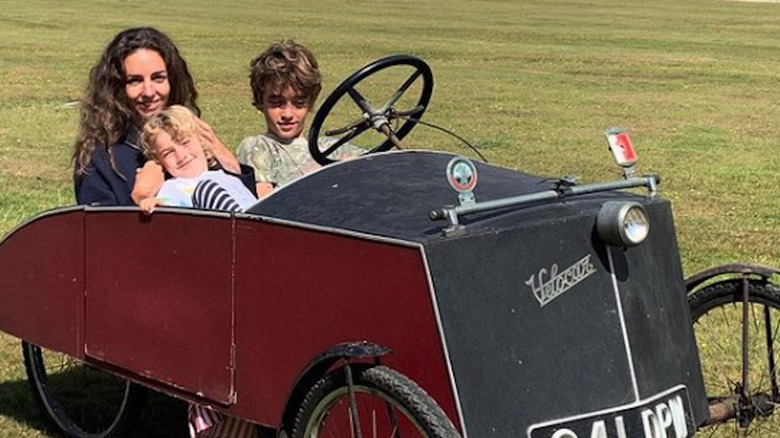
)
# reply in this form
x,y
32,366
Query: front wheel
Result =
x,y
740,377
388,403
80,401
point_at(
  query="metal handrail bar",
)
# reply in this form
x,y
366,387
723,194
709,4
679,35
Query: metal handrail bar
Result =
x,y
452,213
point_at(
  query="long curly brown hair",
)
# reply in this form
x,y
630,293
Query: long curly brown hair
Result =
x,y
106,112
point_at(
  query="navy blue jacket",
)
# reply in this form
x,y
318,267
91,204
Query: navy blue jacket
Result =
x,y
101,185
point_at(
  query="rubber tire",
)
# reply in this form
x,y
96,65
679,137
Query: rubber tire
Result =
x,y
415,404
59,419
717,300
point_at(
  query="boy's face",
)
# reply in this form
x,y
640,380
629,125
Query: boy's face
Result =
x,y
285,112
183,158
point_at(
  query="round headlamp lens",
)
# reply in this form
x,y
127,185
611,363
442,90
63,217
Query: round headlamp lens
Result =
x,y
622,223
635,225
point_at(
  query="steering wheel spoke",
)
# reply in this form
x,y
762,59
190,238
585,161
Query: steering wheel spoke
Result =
x,y
401,90
393,114
341,141
350,127
361,101
370,117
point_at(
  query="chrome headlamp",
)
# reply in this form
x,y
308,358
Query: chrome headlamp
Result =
x,y
622,223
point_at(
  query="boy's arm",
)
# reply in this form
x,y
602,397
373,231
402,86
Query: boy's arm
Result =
x,y
351,151
147,205
347,151
264,189
148,181
254,153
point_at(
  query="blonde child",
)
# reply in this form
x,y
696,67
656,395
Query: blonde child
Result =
x,y
171,139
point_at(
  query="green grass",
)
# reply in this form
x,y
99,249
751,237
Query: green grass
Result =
x,y
533,83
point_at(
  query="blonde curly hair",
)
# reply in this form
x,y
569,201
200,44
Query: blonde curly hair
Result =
x,y
179,122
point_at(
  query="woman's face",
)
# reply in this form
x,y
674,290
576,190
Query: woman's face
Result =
x,y
146,82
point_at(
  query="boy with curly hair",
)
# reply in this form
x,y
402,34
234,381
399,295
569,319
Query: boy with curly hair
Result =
x,y
286,82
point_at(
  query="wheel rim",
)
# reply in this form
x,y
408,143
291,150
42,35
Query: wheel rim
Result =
x,y
83,401
719,338
379,416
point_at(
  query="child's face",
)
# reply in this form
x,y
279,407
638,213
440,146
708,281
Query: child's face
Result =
x,y
285,112
183,158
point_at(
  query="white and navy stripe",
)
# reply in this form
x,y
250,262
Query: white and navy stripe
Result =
x,y
209,195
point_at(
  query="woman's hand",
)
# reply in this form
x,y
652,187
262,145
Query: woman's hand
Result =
x,y
148,181
221,153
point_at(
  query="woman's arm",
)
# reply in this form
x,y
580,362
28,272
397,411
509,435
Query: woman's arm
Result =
x,y
99,184
226,158
104,184
221,153
93,189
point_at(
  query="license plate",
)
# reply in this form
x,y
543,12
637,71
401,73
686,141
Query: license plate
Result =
x,y
667,414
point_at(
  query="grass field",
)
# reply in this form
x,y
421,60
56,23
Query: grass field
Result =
x,y
532,83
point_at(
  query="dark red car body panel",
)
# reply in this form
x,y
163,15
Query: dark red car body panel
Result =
x,y
214,308
161,304
371,291
42,282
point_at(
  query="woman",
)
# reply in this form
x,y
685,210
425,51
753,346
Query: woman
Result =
x,y
140,73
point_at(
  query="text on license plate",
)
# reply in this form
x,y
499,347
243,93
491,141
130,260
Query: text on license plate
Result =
x,y
666,415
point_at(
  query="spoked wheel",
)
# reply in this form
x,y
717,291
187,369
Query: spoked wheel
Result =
x,y
740,380
389,405
80,401
366,115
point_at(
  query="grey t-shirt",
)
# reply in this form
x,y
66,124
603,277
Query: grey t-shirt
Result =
x,y
278,162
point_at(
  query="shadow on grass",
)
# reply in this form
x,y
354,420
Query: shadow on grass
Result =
x,y
160,416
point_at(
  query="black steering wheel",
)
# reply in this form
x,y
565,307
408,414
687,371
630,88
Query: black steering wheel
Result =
x,y
380,118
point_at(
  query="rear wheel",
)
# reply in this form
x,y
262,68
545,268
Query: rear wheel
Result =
x,y
743,397
80,401
388,403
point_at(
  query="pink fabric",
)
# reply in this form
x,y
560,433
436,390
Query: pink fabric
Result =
x,y
205,423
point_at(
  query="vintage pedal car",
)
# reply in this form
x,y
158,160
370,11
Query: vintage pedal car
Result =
x,y
407,293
